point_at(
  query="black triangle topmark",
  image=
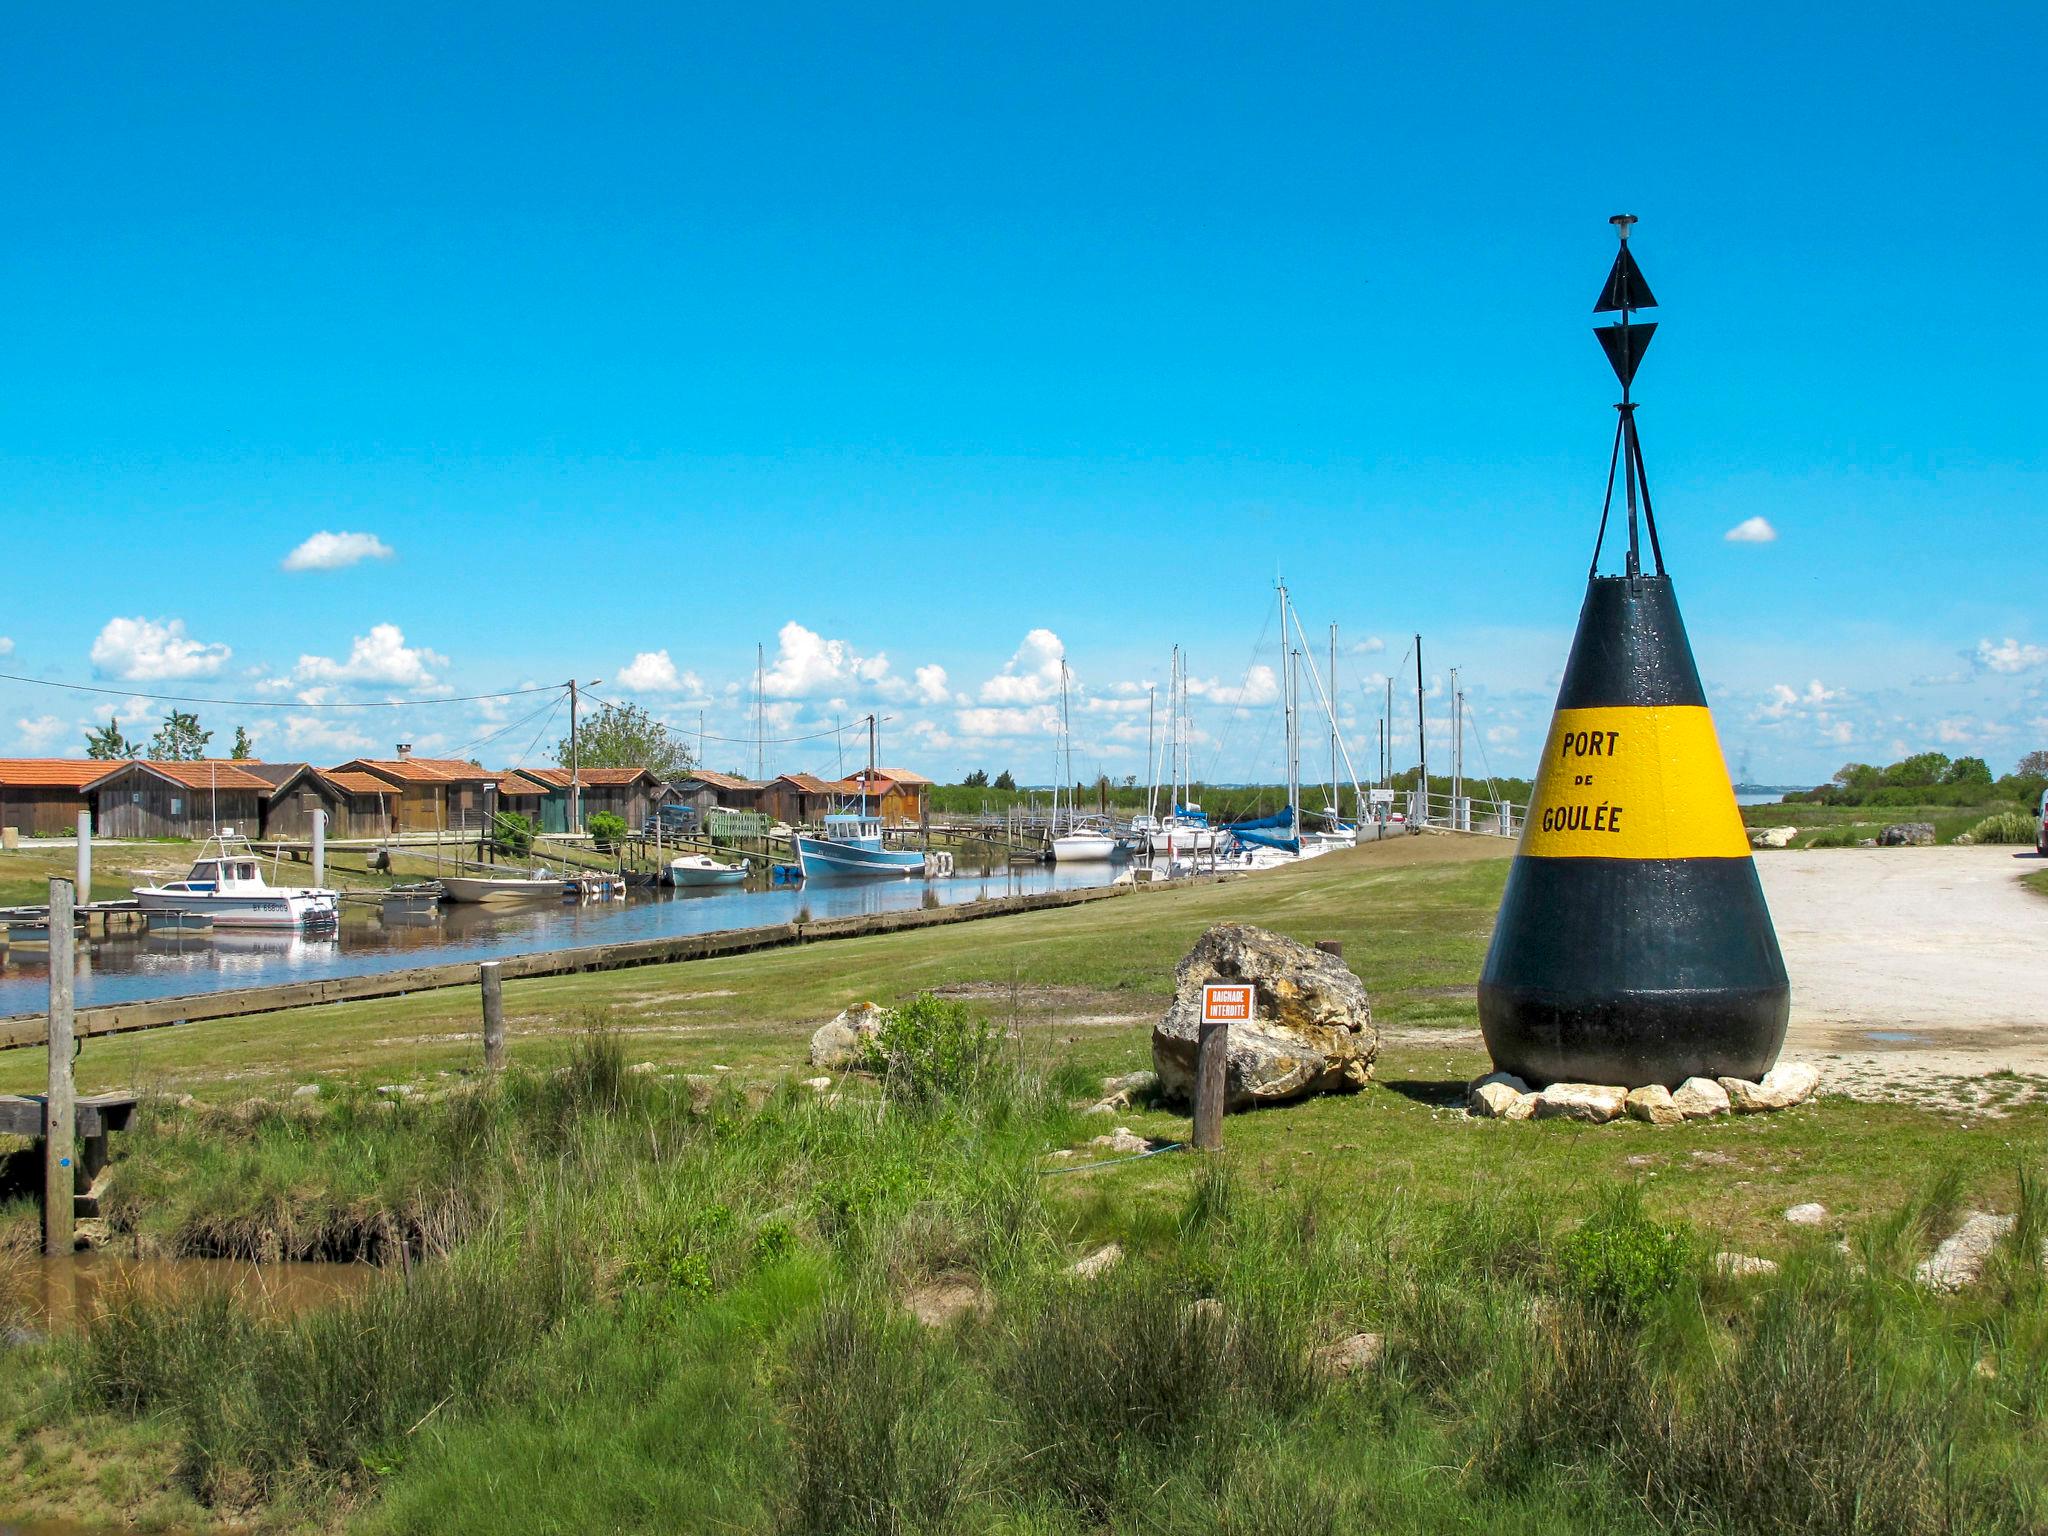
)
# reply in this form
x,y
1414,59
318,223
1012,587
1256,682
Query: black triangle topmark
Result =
x,y
1626,287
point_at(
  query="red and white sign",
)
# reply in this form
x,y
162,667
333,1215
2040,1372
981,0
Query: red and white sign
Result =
x,y
1226,1002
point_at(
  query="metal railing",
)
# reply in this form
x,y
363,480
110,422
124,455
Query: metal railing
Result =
x,y
1465,813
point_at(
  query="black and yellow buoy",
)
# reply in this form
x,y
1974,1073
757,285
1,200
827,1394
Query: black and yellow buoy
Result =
x,y
1633,944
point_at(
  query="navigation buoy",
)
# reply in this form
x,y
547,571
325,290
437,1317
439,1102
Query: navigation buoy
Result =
x,y
1633,944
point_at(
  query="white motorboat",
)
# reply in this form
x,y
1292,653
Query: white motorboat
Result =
x,y
472,888
695,869
226,884
1083,844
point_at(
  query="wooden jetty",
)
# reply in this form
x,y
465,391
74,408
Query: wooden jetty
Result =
x,y
30,1029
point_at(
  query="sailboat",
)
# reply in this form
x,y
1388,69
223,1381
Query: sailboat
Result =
x,y
850,844
1080,842
1185,830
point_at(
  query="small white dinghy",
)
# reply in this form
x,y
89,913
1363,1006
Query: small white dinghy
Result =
x,y
695,869
226,885
474,888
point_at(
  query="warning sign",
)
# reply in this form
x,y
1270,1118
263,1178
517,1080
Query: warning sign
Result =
x,y
1227,1002
1634,783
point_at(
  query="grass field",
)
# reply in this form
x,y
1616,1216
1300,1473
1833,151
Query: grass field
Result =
x,y
643,1302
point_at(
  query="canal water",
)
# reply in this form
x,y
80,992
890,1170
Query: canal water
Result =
x,y
49,1296
375,937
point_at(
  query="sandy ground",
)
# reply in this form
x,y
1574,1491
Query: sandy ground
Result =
x,y
1916,972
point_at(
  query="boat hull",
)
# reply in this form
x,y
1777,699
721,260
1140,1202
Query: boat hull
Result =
x,y
819,857
474,888
682,873
279,909
1083,848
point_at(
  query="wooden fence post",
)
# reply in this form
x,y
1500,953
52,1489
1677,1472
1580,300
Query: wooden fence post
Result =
x,y
60,1108
1331,947
1212,1056
494,1016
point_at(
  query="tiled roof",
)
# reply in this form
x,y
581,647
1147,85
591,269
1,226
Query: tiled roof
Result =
x,y
718,780
208,773
422,770
274,773
516,782
903,776
592,777
356,783
809,783
50,772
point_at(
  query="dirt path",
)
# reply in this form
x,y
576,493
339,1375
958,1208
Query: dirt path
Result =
x,y
1915,971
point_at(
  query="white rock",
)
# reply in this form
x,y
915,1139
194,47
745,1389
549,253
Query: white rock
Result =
x,y
839,1043
1773,837
1496,1101
1654,1104
306,1091
1122,1139
1790,1082
1959,1261
1698,1098
1595,1103
1743,1266
1811,1214
818,1084
641,1068
1348,1356
1099,1262
1745,1097
1135,1084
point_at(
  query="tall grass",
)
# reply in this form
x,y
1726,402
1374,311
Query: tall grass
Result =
x,y
626,1304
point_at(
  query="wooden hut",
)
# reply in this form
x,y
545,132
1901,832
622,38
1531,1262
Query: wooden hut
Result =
x,y
703,791
357,804
189,799
631,793
42,796
430,794
523,792
901,798
800,799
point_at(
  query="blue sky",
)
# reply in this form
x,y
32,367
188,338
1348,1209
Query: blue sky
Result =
x,y
921,347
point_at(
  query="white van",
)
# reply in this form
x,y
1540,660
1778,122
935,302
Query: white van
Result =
x,y
2041,827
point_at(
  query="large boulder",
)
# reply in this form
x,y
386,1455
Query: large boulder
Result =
x,y
1311,1030
1773,837
1907,834
839,1044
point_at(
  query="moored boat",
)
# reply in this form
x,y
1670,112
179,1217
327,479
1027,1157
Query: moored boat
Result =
x,y
851,844
226,885
698,869
471,888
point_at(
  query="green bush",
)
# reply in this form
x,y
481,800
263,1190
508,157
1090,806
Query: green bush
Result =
x,y
512,834
609,830
1619,1262
931,1048
2005,827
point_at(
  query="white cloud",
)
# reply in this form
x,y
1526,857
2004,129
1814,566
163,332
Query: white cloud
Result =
x,y
1372,645
2009,655
1752,530
1010,720
1031,676
807,664
336,551
654,672
6,646
42,732
1260,685
311,734
381,656
1501,735
149,650
1783,700
931,684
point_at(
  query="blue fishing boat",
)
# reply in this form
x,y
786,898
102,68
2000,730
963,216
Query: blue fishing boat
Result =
x,y
850,843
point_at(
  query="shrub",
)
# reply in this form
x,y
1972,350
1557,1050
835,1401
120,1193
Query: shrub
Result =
x,y
608,830
512,834
2005,827
931,1048
1618,1262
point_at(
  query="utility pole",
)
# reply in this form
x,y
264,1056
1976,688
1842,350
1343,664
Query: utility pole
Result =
x,y
60,1123
760,714
1387,738
1421,739
575,766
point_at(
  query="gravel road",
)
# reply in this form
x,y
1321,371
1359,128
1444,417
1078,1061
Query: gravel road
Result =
x,y
1915,970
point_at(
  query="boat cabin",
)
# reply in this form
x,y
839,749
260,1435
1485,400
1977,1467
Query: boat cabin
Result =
x,y
849,827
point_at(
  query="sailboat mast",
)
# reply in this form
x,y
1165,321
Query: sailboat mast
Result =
x,y
1421,741
1151,755
1336,798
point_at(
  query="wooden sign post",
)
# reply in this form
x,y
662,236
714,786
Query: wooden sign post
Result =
x,y
1223,1003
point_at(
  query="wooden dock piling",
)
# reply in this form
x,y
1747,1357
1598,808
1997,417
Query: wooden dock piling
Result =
x,y
494,1015
1212,1057
60,1127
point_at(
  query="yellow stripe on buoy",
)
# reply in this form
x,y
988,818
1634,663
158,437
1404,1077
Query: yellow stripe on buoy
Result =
x,y
1634,783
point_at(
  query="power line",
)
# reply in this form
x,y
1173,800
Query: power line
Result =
x,y
182,698
748,741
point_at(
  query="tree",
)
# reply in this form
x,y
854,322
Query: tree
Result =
x,y
108,745
1855,776
1004,781
2033,766
1917,771
627,736
179,739
244,749
1973,771
977,779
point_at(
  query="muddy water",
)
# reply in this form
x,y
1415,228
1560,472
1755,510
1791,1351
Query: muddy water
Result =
x,y
45,1296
